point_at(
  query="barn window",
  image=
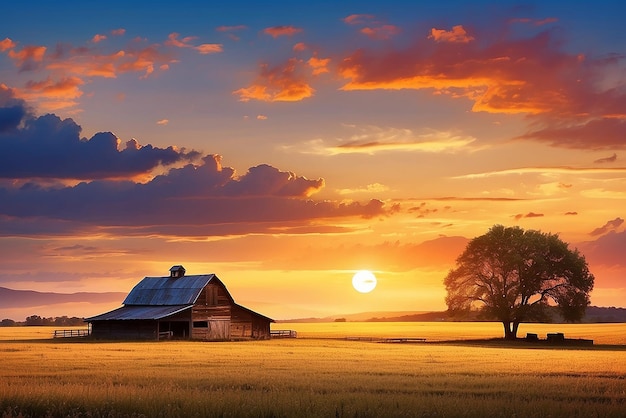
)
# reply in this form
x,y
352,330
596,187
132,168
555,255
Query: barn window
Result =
x,y
200,324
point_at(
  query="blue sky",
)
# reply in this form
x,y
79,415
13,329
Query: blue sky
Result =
x,y
284,146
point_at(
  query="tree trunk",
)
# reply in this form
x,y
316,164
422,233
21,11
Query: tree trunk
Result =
x,y
509,334
514,329
510,330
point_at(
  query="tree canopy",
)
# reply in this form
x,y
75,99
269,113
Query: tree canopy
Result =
x,y
513,275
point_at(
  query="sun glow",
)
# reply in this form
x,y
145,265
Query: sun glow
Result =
x,y
364,281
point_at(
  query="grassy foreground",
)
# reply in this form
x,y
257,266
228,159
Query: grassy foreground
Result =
x,y
306,377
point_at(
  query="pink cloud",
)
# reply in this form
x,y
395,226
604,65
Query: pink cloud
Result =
x,y
98,38
607,227
356,19
381,32
205,49
231,28
276,31
300,46
118,32
610,159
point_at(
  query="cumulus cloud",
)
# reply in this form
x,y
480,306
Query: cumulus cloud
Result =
x,y
193,196
607,227
195,200
49,147
458,34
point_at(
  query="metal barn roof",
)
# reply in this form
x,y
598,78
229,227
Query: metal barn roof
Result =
x,y
158,291
139,312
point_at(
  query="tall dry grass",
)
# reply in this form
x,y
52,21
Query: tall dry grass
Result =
x,y
305,377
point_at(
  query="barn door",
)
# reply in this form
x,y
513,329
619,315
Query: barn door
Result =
x,y
219,329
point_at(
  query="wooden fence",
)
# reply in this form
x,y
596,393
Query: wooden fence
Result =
x,y
66,333
283,333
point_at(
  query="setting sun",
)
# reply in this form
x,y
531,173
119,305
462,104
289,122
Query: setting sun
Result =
x,y
364,281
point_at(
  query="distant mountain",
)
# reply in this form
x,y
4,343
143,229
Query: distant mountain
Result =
x,y
593,314
10,298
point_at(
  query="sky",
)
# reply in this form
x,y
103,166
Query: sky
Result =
x,y
284,146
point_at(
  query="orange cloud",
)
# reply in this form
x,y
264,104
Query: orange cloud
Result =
x,y
28,56
97,38
507,77
6,43
458,34
163,122
67,88
261,117
282,83
319,65
381,32
118,32
276,31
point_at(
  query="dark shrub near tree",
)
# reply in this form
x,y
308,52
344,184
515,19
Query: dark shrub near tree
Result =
x,y
513,275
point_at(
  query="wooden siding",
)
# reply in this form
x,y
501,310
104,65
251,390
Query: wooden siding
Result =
x,y
245,324
211,314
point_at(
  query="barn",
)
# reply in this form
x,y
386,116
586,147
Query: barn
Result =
x,y
179,306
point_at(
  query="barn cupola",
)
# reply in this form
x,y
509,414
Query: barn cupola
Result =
x,y
177,271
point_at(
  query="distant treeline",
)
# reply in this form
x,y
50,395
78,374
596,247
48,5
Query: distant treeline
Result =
x,y
36,320
593,314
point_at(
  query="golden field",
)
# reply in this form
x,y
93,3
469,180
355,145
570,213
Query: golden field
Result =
x,y
319,374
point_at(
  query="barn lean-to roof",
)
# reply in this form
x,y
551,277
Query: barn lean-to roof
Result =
x,y
125,313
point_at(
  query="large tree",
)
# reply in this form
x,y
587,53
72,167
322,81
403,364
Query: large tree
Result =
x,y
513,275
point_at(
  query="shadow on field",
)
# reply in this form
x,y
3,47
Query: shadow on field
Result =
x,y
521,343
